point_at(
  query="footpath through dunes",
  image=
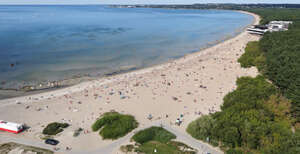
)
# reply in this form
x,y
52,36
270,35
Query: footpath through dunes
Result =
x,y
114,147
188,87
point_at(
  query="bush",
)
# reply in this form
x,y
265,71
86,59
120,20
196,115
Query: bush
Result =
x,y
113,125
153,134
159,139
127,148
201,128
249,94
252,55
283,64
254,116
54,128
77,132
234,151
281,54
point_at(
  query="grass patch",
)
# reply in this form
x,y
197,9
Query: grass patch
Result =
x,y
159,141
252,56
163,148
153,134
55,128
127,148
113,125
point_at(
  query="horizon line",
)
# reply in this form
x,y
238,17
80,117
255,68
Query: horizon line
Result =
x,y
145,4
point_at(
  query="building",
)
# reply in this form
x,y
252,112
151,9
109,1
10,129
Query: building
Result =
x,y
257,29
273,26
11,127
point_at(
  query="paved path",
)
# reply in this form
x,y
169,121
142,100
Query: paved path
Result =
x,y
202,148
5,138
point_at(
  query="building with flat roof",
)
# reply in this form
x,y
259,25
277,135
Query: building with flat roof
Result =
x,y
11,127
273,26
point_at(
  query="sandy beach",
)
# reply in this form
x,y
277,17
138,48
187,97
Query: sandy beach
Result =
x,y
193,85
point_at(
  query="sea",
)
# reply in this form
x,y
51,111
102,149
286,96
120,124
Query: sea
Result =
x,y
40,44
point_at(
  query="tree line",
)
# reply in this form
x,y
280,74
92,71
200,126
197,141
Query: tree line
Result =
x,y
263,114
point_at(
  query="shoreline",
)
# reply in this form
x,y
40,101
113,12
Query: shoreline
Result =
x,y
193,85
86,79
43,87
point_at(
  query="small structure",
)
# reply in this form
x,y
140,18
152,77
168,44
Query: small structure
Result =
x,y
11,127
257,29
273,26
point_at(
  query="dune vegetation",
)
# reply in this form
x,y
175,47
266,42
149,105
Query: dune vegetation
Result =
x,y
281,54
255,118
17,148
54,128
157,140
263,114
113,125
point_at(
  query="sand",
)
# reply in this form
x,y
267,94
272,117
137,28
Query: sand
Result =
x,y
193,85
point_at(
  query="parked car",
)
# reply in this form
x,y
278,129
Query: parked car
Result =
x,y
51,141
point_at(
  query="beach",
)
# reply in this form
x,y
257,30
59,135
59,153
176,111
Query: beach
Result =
x,y
191,86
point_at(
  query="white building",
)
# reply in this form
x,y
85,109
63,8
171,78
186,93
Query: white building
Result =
x,y
11,127
273,26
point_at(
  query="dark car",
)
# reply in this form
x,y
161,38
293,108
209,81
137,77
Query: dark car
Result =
x,y
51,141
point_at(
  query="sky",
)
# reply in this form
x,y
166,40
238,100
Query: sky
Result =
x,y
141,1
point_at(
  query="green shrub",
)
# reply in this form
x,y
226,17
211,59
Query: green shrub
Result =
x,y
281,54
107,118
77,132
201,128
127,148
163,148
249,94
159,139
153,134
256,118
253,117
113,125
252,56
54,128
234,151
283,64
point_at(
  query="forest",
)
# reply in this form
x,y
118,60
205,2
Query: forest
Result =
x,y
263,114
282,55
223,6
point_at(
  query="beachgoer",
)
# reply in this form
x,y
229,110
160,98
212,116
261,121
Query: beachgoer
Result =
x,y
150,116
177,121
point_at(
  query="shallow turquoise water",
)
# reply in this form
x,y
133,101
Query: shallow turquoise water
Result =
x,y
47,43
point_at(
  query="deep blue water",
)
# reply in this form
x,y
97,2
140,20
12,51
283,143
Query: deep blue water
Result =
x,y
57,42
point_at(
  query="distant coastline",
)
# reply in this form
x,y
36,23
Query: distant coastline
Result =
x,y
222,6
